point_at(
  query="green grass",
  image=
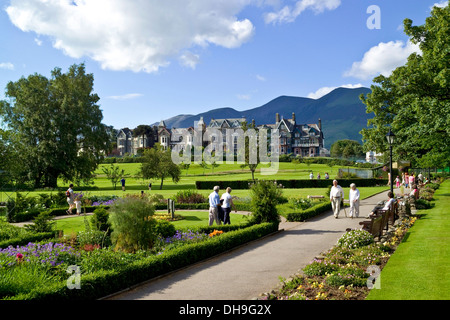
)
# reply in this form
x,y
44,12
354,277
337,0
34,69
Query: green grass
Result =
x,y
191,219
420,267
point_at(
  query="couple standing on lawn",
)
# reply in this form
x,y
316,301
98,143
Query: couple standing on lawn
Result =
x,y
217,204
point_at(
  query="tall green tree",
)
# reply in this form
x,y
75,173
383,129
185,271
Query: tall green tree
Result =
x,y
144,131
414,100
57,126
157,164
346,149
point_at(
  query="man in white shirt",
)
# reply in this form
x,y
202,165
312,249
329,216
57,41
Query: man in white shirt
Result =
x,y
214,203
336,196
226,206
354,201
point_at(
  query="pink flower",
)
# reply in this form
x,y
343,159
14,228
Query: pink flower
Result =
x,y
19,256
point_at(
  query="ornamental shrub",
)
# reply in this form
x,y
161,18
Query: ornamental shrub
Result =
x,y
164,228
355,239
133,224
189,196
99,220
265,196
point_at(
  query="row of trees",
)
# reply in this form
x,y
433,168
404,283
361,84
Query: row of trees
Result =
x,y
414,100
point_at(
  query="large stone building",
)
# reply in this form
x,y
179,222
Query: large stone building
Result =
x,y
305,140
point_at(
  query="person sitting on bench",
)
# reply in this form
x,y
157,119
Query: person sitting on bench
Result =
x,y
386,206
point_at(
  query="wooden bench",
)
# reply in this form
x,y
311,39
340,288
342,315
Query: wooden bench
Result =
x,y
315,197
374,225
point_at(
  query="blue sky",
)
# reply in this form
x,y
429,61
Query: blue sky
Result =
x,y
155,59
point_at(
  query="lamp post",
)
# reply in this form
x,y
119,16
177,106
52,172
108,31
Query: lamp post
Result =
x,y
390,136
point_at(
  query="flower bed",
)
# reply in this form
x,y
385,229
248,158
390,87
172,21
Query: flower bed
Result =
x,y
105,271
343,272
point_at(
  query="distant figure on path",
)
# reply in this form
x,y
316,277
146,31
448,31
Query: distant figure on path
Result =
x,y
318,176
123,184
311,176
70,200
150,186
77,203
227,204
354,201
214,203
336,196
327,176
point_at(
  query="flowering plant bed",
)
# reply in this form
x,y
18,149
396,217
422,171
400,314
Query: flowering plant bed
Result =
x,y
345,271
40,271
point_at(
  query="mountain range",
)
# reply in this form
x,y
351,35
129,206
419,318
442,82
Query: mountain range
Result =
x,y
342,113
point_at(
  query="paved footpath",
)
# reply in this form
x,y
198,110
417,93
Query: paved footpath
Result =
x,y
255,268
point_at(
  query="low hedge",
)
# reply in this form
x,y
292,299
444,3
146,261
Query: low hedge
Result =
x,y
103,283
302,215
292,184
24,240
28,216
200,206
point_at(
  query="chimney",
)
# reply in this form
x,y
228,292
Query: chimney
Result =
x,y
277,117
320,124
253,123
293,117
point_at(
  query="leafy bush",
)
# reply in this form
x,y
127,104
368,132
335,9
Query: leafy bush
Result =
x,y
133,224
422,204
42,223
355,239
265,196
189,196
347,275
99,220
164,229
93,237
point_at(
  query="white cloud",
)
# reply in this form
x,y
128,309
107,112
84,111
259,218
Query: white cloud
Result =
x,y
127,96
260,77
134,35
244,96
6,65
382,59
289,14
189,59
326,90
441,4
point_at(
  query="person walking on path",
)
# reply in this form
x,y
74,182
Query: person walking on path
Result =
x,y
336,196
70,200
123,184
227,204
354,201
214,203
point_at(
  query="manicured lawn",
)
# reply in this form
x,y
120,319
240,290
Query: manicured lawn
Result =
x,y
191,219
420,267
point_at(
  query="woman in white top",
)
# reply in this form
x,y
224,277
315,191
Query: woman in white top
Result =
x,y
354,201
226,206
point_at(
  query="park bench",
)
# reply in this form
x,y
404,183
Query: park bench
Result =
x,y
315,197
374,225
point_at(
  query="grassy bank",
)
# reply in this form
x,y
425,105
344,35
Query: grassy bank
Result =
x,y
420,267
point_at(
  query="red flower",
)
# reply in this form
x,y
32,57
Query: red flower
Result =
x,y
19,256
